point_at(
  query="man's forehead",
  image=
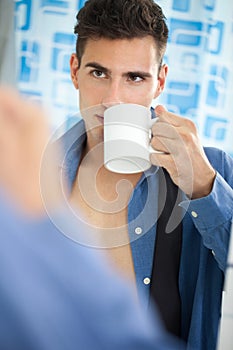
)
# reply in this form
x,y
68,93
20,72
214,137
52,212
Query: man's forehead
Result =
x,y
134,53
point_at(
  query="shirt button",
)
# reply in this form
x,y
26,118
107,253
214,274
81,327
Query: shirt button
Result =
x,y
138,230
146,280
194,214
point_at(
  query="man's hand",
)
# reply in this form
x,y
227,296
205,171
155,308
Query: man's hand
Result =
x,y
184,157
24,134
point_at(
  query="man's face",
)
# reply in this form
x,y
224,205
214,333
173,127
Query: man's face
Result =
x,y
117,71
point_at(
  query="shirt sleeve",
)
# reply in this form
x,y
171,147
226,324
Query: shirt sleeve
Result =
x,y
212,217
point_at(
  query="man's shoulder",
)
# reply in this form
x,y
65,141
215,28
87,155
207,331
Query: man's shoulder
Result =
x,y
219,159
212,152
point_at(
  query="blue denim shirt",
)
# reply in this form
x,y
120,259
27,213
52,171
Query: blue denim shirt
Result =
x,y
206,230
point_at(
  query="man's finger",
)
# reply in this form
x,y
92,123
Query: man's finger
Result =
x,y
168,117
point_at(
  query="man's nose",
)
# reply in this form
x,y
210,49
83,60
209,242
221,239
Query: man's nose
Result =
x,y
113,95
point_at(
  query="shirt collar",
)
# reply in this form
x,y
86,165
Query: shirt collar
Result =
x,y
72,140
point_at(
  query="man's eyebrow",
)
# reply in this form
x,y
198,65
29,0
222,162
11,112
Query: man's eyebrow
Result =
x,y
139,74
98,67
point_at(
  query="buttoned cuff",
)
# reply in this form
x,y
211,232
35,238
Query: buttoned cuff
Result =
x,y
213,210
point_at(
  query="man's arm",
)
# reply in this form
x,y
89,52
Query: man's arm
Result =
x,y
204,175
212,214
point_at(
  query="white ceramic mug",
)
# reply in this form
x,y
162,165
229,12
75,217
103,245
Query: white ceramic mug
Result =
x,y
127,133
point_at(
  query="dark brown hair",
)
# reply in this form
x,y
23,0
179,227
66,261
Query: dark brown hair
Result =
x,y
121,19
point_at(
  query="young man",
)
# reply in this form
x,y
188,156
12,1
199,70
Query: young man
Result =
x,y
119,53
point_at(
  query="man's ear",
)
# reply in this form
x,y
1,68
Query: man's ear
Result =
x,y
161,80
74,64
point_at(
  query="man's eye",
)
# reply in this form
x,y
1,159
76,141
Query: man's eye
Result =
x,y
135,78
98,74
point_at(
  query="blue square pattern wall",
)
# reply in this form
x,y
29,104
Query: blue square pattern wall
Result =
x,y
60,52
